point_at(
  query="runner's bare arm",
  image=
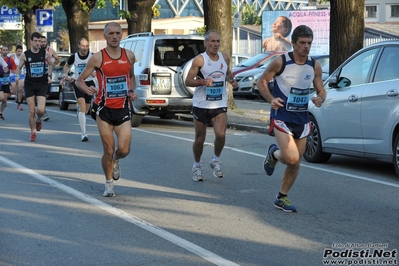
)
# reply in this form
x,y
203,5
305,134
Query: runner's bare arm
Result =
x,y
197,63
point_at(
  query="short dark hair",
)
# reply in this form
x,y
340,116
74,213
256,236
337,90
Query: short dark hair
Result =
x,y
18,47
302,31
35,35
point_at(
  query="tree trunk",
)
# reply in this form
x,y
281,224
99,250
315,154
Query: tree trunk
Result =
x,y
346,30
141,16
29,18
77,20
218,16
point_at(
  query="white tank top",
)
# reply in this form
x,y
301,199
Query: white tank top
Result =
x,y
215,96
80,64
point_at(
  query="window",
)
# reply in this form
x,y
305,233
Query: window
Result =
x,y
357,70
371,12
172,52
395,11
387,66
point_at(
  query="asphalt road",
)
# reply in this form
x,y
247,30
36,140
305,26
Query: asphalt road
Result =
x,y
52,211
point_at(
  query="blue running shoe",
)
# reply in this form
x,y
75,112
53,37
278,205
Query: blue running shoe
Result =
x,y
284,204
269,163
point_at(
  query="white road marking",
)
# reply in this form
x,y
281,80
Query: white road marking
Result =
x,y
191,247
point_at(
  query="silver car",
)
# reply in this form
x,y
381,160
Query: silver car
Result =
x,y
360,116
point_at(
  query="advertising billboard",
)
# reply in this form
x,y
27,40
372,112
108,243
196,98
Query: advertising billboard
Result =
x,y
277,28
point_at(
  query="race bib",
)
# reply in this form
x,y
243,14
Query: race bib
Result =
x,y
36,69
80,68
298,100
116,87
215,92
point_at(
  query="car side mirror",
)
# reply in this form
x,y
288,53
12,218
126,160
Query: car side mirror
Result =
x,y
332,82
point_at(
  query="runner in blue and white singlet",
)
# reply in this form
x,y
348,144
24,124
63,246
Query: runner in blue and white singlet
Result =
x,y
292,85
293,74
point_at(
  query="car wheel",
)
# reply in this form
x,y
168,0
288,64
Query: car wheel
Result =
x,y
61,103
136,120
167,116
396,154
313,151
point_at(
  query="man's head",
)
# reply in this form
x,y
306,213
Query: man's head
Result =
x,y
43,42
4,51
18,50
83,46
113,34
302,39
212,41
35,40
301,31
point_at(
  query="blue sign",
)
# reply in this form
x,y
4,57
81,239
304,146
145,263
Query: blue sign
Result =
x,y
9,15
44,17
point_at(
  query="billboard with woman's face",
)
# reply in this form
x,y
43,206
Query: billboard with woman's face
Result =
x,y
277,27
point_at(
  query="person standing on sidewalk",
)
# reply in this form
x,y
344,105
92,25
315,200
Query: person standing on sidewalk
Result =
x,y
114,68
55,60
209,101
293,74
5,83
36,81
79,60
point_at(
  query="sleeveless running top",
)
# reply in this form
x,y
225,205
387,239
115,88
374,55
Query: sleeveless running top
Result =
x,y
35,67
215,96
292,84
80,63
113,81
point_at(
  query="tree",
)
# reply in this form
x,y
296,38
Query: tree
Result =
x,y
217,16
27,9
249,15
139,15
346,30
78,15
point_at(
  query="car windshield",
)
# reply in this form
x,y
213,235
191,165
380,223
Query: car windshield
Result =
x,y
253,60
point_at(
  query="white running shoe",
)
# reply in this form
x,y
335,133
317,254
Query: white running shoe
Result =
x,y
197,174
84,138
109,189
217,168
116,172
45,117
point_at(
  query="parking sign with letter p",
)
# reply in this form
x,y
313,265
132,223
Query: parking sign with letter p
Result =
x,y
44,20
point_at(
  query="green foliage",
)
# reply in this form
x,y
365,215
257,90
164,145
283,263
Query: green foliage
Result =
x,y
11,38
125,14
249,15
201,31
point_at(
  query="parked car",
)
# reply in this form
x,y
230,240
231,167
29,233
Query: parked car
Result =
x,y
322,59
238,59
246,78
163,62
58,74
253,62
67,92
360,115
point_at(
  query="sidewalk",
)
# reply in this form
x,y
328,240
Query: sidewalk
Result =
x,y
250,115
